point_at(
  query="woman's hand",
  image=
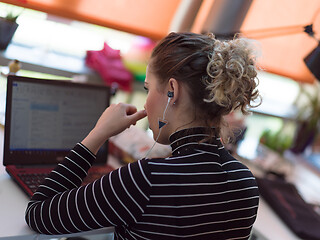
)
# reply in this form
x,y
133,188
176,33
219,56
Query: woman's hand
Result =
x,y
115,119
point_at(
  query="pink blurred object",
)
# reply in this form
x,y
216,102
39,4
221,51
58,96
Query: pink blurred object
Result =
x,y
108,63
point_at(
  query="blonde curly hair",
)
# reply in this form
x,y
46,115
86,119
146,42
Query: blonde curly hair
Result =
x,y
232,74
221,75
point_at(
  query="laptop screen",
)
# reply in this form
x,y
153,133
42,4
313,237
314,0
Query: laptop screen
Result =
x,y
46,118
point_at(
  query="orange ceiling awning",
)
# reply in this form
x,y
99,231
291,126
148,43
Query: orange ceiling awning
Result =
x,y
148,18
278,27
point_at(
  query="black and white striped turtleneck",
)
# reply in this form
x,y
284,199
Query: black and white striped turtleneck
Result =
x,y
200,192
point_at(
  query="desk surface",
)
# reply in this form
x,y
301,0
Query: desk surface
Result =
x,y
12,207
13,203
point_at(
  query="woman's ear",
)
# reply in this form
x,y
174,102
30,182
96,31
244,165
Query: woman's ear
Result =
x,y
174,87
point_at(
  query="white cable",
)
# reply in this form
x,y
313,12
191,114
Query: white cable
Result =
x,y
165,110
163,118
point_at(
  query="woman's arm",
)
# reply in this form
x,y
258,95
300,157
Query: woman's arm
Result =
x,y
60,205
118,198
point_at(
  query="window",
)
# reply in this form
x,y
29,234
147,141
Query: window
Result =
x,y
45,33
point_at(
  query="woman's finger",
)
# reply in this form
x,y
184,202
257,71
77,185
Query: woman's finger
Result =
x,y
130,109
137,116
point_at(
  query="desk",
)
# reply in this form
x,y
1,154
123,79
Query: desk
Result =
x,y
13,202
305,178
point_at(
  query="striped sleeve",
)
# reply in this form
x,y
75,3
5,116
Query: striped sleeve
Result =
x,y
61,205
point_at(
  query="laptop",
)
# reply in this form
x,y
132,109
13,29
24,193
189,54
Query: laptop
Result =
x,y
44,120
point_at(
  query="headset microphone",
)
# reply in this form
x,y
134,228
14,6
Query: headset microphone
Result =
x,y
162,122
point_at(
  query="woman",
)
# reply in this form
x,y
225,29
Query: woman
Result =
x,y
201,191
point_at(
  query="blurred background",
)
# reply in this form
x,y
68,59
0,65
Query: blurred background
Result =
x,y
60,39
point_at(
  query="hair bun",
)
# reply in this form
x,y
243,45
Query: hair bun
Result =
x,y
232,73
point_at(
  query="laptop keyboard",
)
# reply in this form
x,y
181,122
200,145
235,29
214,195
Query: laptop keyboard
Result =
x,y
33,180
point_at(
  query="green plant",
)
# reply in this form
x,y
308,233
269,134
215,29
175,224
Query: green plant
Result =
x,y
12,17
12,12
278,141
308,117
309,112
